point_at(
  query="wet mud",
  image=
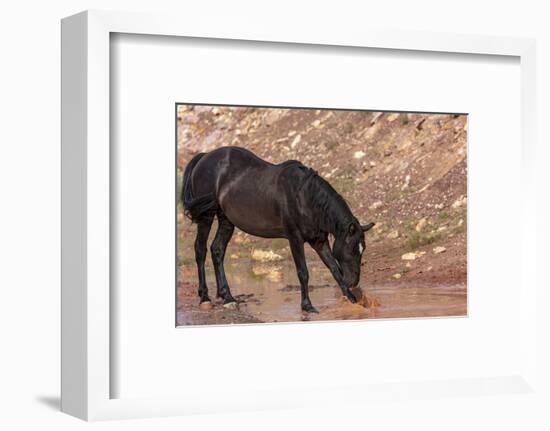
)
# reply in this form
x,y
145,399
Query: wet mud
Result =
x,y
274,296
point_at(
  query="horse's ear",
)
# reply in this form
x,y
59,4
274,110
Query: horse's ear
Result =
x,y
367,227
351,229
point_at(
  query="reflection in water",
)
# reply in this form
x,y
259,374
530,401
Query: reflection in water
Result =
x,y
270,293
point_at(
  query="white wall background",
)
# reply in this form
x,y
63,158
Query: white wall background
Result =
x,y
30,200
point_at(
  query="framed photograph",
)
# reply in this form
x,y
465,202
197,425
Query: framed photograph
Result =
x,y
247,211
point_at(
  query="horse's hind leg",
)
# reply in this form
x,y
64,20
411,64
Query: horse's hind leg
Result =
x,y
203,229
218,247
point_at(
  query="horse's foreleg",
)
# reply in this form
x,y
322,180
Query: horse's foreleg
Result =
x,y
219,245
203,229
323,250
297,249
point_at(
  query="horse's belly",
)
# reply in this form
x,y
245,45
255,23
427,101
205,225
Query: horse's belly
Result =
x,y
255,222
255,216
263,233
252,202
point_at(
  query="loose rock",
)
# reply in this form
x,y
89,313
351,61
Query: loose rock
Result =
x,y
393,116
459,202
413,255
266,256
375,205
296,141
406,183
393,234
420,225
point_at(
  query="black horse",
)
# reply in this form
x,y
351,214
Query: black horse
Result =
x,y
288,200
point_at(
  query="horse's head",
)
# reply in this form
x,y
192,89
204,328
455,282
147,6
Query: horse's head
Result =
x,y
348,249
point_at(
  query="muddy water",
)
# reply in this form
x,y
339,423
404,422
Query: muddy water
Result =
x,y
270,293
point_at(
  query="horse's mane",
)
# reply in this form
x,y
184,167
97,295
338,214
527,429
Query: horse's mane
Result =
x,y
330,207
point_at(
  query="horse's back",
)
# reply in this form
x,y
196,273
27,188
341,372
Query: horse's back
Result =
x,y
251,192
221,162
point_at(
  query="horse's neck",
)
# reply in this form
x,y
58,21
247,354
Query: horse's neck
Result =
x,y
335,229
329,208
336,216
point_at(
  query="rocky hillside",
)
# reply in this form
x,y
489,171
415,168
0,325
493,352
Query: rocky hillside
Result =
x,y
406,172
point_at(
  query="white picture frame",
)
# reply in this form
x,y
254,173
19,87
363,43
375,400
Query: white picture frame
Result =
x,y
86,314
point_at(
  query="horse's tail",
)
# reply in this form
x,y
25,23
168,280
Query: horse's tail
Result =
x,y
195,207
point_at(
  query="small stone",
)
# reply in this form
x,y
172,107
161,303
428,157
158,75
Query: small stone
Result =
x,y
406,183
375,118
460,222
413,255
296,141
216,111
359,154
266,256
438,250
420,225
396,276
393,234
393,117
234,256
375,205
316,123
459,202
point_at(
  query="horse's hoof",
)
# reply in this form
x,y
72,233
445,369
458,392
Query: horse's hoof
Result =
x,y
351,298
231,305
205,305
309,309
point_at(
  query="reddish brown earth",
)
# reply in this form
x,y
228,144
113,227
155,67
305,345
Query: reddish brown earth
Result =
x,y
406,172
